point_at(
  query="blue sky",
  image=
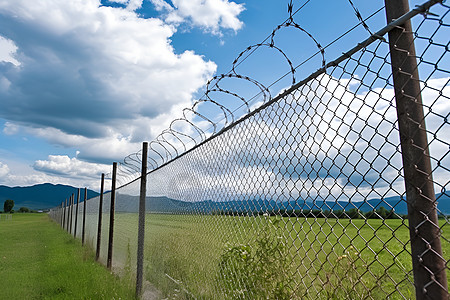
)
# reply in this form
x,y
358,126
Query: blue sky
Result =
x,y
83,83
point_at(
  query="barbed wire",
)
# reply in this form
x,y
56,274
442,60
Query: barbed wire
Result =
x,y
194,127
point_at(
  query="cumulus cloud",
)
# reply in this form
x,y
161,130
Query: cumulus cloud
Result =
x,y
211,15
7,51
63,165
4,170
329,143
18,173
92,72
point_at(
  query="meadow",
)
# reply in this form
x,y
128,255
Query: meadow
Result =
x,y
40,261
190,256
230,257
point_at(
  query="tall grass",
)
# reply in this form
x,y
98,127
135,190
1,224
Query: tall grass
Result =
x,y
40,261
223,257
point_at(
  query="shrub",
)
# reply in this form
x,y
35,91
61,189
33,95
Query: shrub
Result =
x,y
24,210
257,271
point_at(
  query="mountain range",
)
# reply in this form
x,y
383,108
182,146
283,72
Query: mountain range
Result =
x,y
40,196
46,196
128,203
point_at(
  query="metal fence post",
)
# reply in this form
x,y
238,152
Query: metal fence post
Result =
x,y
100,213
71,213
61,214
141,226
428,262
65,218
76,215
111,217
84,217
68,214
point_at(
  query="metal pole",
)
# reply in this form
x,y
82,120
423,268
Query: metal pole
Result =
x,y
61,215
83,234
71,213
100,213
76,215
65,219
111,216
141,226
428,262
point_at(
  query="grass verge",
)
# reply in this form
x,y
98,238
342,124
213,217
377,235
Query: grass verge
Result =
x,y
40,261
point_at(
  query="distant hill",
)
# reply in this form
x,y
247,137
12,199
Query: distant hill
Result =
x,y
128,203
40,196
45,196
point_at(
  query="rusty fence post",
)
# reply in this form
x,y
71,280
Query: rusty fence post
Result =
x,y
111,217
428,262
100,213
83,234
76,215
141,226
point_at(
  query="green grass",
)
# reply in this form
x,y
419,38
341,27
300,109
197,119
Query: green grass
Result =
x,y
327,258
227,257
38,260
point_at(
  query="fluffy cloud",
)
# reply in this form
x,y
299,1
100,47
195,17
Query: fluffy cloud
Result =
x,y
92,75
7,51
329,143
63,165
211,15
17,173
4,170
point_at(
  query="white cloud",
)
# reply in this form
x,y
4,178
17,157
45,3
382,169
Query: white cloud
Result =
x,y
7,51
329,142
211,15
4,170
93,77
10,128
161,5
63,165
18,173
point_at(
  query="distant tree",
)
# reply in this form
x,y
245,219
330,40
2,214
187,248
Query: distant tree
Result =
x,y
370,214
24,209
354,213
383,212
8,205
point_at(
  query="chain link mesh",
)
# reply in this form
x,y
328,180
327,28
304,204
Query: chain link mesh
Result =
x,y
305,197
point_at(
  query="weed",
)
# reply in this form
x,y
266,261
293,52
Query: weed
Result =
x,y
258,270
345,281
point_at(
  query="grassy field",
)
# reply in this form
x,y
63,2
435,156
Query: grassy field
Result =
x,y
229,257
40,261
214,257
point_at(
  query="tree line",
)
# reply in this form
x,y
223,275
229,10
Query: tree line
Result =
x,y
353,213
8,206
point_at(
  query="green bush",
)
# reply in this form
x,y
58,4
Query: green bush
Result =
x,y
257,271
24,209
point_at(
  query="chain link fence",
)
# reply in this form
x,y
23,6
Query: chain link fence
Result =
x,y
337,188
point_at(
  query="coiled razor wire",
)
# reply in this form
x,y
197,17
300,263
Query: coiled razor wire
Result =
x,y
172,142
